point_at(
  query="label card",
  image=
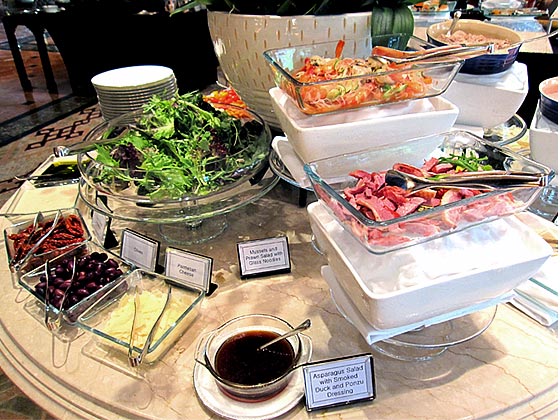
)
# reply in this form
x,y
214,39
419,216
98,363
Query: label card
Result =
x,y
101,223
270,256
339,381
139,250
189,269
100,226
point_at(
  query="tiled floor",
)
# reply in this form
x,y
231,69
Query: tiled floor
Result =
x,y
13,100
22,112
14,103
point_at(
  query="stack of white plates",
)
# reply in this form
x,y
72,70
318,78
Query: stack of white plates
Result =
x,y
126,89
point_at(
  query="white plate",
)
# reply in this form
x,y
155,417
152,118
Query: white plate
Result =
x,y
125,77
134,91
214,399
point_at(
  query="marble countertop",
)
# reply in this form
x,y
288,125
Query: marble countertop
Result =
x,y
509,371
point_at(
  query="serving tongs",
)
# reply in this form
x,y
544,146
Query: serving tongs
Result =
x,y
37,230
447,53
135,361
74,149
485,180
53,325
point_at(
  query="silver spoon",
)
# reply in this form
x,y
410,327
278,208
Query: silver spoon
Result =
x,y
456,17
301,327
137,360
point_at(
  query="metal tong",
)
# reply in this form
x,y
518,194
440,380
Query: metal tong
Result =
x,y
476,180
19,262
50,324
137,360
447,53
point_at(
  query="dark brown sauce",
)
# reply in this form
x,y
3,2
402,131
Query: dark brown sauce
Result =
x,y
238,359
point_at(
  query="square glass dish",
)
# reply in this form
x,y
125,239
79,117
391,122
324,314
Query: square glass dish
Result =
x,y
70,231
320,83
96,271
111,317
331,177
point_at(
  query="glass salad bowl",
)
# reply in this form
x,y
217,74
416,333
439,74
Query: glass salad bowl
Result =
x,y
294,71
435,214
188,165
175,150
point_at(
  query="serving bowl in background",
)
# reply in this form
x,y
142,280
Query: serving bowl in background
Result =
x,y
387,84
242,372
490,100
316,137
498,61
331,177
548,103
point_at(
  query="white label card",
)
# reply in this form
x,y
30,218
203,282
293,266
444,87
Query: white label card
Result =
x,y
339,381
139,250
271,255
100,225
189,269
99,221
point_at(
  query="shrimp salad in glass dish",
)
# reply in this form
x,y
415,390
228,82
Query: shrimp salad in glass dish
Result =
x,y
388,82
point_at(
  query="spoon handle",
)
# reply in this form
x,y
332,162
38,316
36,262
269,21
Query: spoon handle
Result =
x,y
303,326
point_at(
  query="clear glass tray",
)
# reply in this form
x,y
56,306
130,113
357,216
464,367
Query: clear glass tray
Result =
x,y
29,280
330,177
364,90
40,256
110,318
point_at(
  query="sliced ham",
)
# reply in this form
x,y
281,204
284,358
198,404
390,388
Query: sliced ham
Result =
x,y
380,202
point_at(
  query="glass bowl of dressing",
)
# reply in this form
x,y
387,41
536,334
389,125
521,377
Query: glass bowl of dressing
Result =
x,y
231,355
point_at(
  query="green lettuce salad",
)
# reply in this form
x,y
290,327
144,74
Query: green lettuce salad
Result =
x,y
182,147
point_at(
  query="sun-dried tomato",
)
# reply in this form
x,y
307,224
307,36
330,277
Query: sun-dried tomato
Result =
x,y
67,231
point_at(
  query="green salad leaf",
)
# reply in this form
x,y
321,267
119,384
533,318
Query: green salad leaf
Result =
x,y
181,147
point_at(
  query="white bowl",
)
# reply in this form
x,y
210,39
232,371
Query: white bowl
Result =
x,y
315,137
490,100
418,283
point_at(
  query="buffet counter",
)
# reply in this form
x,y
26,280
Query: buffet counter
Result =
x,y
509,371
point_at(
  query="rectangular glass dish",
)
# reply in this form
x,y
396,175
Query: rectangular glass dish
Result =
x,y
86,294
110,318
62,239
352,86
330,177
